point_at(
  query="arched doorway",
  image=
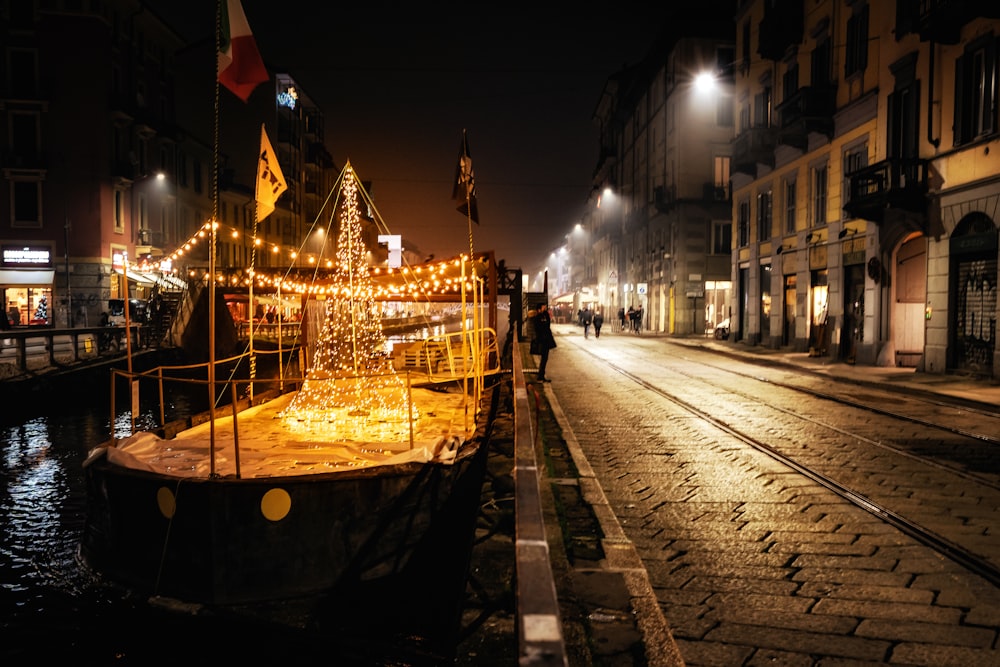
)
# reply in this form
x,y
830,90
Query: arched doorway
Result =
x,y
908,303
973,270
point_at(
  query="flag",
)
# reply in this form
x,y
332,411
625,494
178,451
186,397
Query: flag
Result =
x,y
464,190
270,181
240,66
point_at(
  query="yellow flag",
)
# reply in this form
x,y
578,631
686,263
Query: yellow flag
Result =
x,y
270,181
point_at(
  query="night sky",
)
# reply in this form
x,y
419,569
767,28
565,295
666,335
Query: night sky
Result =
x,y
397,87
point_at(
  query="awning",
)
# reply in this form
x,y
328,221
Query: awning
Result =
x,y
27,278
565,298
141,278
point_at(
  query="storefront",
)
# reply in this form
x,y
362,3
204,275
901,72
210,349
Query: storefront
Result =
x,y
26,278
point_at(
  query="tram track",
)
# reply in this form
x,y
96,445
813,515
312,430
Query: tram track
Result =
x,y
656,378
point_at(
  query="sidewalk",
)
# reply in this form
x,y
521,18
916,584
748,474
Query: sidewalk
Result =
x,y
982,393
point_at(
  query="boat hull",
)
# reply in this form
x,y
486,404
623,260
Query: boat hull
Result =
x,y
235,541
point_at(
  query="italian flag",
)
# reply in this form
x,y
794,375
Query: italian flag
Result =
x,y
241,68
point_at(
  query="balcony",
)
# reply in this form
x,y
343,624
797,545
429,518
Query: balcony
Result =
x,y
150,242
807,110
780,28
942,20
754,146
715,193
893,184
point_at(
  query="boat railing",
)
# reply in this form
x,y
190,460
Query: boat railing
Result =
x,y
462,356
451,356
286,331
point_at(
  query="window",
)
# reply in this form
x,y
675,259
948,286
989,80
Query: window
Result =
x,y
25,139
743,223
764,216
26,196
790,81
722,237
745,47
976,91
790,206
196,176
855,158
23,69
820,63
744,116
724,115
119,211
819,195
762,108
721,171
182,170
856,57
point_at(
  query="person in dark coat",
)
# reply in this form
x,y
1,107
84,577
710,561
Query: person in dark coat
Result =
x,y
598,322
543,340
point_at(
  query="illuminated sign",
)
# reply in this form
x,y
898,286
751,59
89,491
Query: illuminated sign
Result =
x,y
288,98
26,257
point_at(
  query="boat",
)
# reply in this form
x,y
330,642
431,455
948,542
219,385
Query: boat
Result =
x,y
348,463
308,483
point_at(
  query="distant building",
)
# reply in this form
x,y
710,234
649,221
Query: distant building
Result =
x,y
657,233
108,157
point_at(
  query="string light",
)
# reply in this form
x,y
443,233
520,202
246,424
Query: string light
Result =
x,y
352,371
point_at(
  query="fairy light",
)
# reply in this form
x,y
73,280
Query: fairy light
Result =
x,y
351,382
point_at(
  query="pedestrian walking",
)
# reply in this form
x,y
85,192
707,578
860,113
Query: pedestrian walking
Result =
x,y
598,322
543,340
586,318
637,320
621,319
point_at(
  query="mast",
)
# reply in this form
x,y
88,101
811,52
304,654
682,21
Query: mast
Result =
x,y
211,244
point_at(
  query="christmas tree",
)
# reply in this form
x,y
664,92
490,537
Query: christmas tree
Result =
x,y
352,378
42,311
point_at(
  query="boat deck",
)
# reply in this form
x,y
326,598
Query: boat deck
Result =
x,y
273,445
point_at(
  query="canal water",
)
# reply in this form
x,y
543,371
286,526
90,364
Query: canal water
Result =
x,y
53,611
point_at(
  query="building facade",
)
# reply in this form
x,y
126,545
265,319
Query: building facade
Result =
x,y
657,228
110,168
865,181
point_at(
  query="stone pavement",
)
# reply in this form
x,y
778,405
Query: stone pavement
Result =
x,y
609,613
